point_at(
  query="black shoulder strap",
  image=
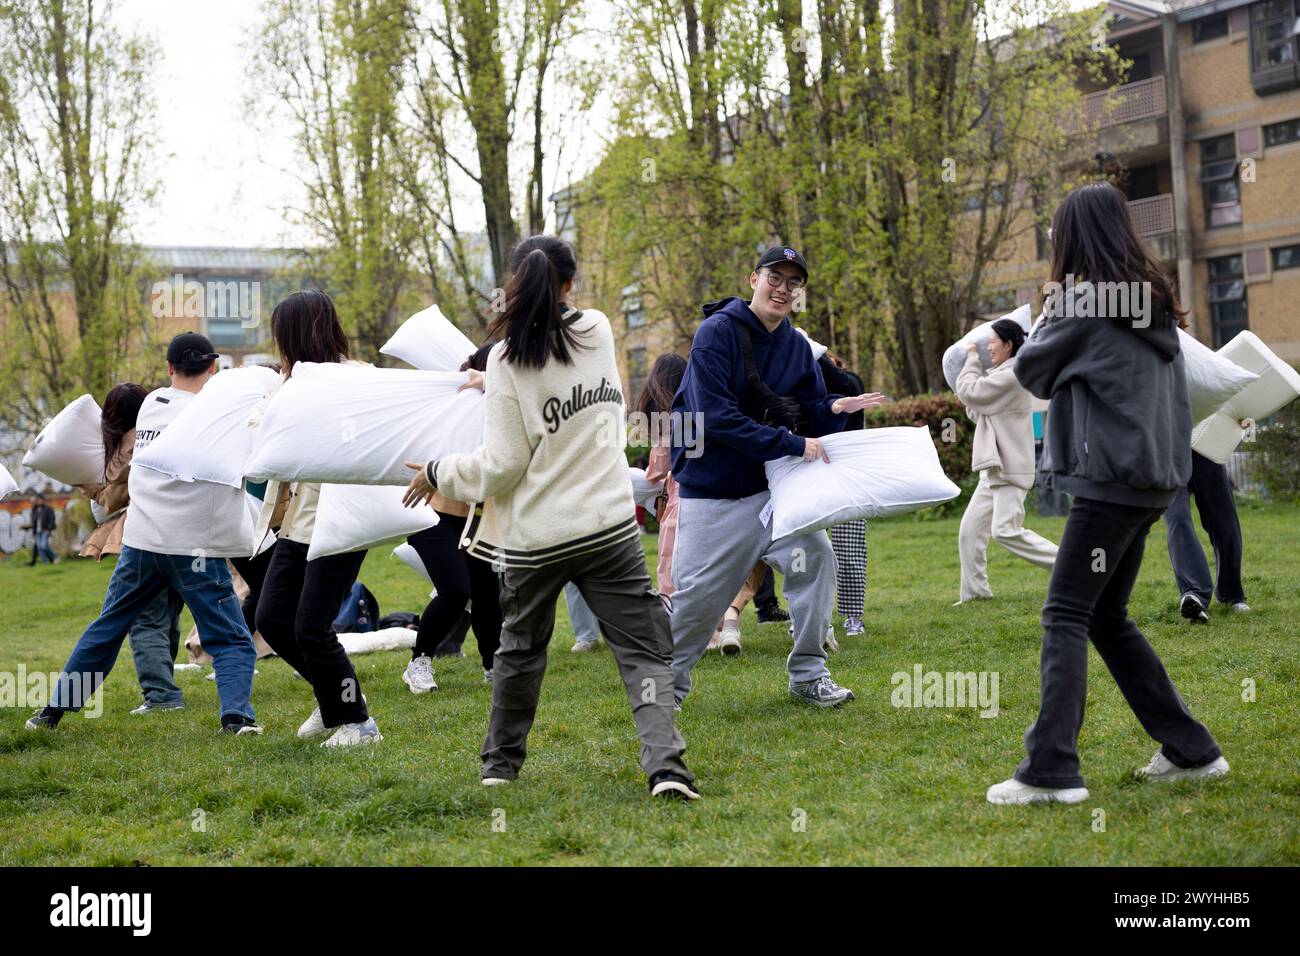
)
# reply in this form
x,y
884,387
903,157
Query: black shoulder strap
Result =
x,y
751,367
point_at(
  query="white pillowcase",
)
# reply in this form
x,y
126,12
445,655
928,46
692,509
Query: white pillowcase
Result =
x,y
429,341
210,438
387,639
871,473
411,558
644,491
1276,384
357,517
1212,378
7,483
357,425
955,356
70,449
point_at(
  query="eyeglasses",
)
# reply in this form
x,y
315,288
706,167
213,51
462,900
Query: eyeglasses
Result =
x,y
776,280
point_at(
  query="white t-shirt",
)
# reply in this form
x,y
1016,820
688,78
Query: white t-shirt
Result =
x,y
170,516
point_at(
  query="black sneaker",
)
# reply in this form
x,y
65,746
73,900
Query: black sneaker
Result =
x,y
1193,609
672,786
239,725
47,718
772,614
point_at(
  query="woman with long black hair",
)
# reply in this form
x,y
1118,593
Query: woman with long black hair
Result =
x,y
557,506
1119,442
300,598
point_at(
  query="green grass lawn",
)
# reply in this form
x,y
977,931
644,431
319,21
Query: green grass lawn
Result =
x,y
783,784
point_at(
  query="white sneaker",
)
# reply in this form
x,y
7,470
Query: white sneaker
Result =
x,y
1162,768
419,675
313,727
729,641
494,781
148,708
853,627
346,735
580,647
830,645
1013,791
1241,607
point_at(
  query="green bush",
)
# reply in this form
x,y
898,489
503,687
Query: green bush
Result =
x,y
1275,455
950,430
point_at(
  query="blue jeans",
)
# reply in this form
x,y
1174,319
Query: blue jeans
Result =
x,y
42,549
155,639
586,629
140,576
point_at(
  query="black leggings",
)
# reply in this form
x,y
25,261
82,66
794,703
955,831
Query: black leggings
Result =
x,y
295,614
459,579
253,571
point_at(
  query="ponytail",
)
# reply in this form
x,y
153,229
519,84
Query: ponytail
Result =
x,y
532,324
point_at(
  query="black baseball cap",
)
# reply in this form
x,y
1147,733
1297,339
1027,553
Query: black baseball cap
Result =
x,y
779,254
190,349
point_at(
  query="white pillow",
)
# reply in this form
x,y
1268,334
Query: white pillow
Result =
x,y
1212,379
644,491
871,473
210,438
70,448
429,341
7,483
955,356
358,425
411,558
387,639
1276,384
357,517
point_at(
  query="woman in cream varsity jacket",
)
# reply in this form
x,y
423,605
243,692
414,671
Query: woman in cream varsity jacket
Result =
x,y
557,507
1004,456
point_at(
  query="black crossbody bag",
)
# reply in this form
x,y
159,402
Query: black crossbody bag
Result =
x,y
760,402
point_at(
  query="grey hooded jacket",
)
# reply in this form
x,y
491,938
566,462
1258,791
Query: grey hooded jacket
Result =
x,y
1119,425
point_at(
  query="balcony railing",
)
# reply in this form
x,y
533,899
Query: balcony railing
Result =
x,y
1153,216
1143,99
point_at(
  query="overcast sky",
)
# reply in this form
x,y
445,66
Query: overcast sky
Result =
x,y
221,182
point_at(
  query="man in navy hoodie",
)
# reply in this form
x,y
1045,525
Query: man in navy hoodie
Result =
x,y
723,527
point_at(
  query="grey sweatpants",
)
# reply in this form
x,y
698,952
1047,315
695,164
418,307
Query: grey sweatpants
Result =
x,y
616,586
719,540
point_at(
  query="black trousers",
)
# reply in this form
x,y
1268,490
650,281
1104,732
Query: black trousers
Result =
x,y
459,579
1087,600
765,596
1212,489
295,614
253,571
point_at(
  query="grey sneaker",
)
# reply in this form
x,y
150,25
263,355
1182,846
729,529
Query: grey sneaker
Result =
x,y
487,676
47,718
822,692
581,647
853,627
151,708
347,735
418,675
1241,607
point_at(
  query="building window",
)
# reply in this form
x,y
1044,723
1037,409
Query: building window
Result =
x,y
1286,257
1219,181
632,306
1227,298
1273,46
1278,134
996,304
1210,28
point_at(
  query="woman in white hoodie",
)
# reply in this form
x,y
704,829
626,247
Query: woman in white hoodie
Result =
x,y
1004,456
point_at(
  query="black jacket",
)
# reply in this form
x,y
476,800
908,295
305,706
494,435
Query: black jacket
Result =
x,y
1119,425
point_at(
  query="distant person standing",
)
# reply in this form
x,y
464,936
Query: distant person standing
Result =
x,y
1212,489
42,523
